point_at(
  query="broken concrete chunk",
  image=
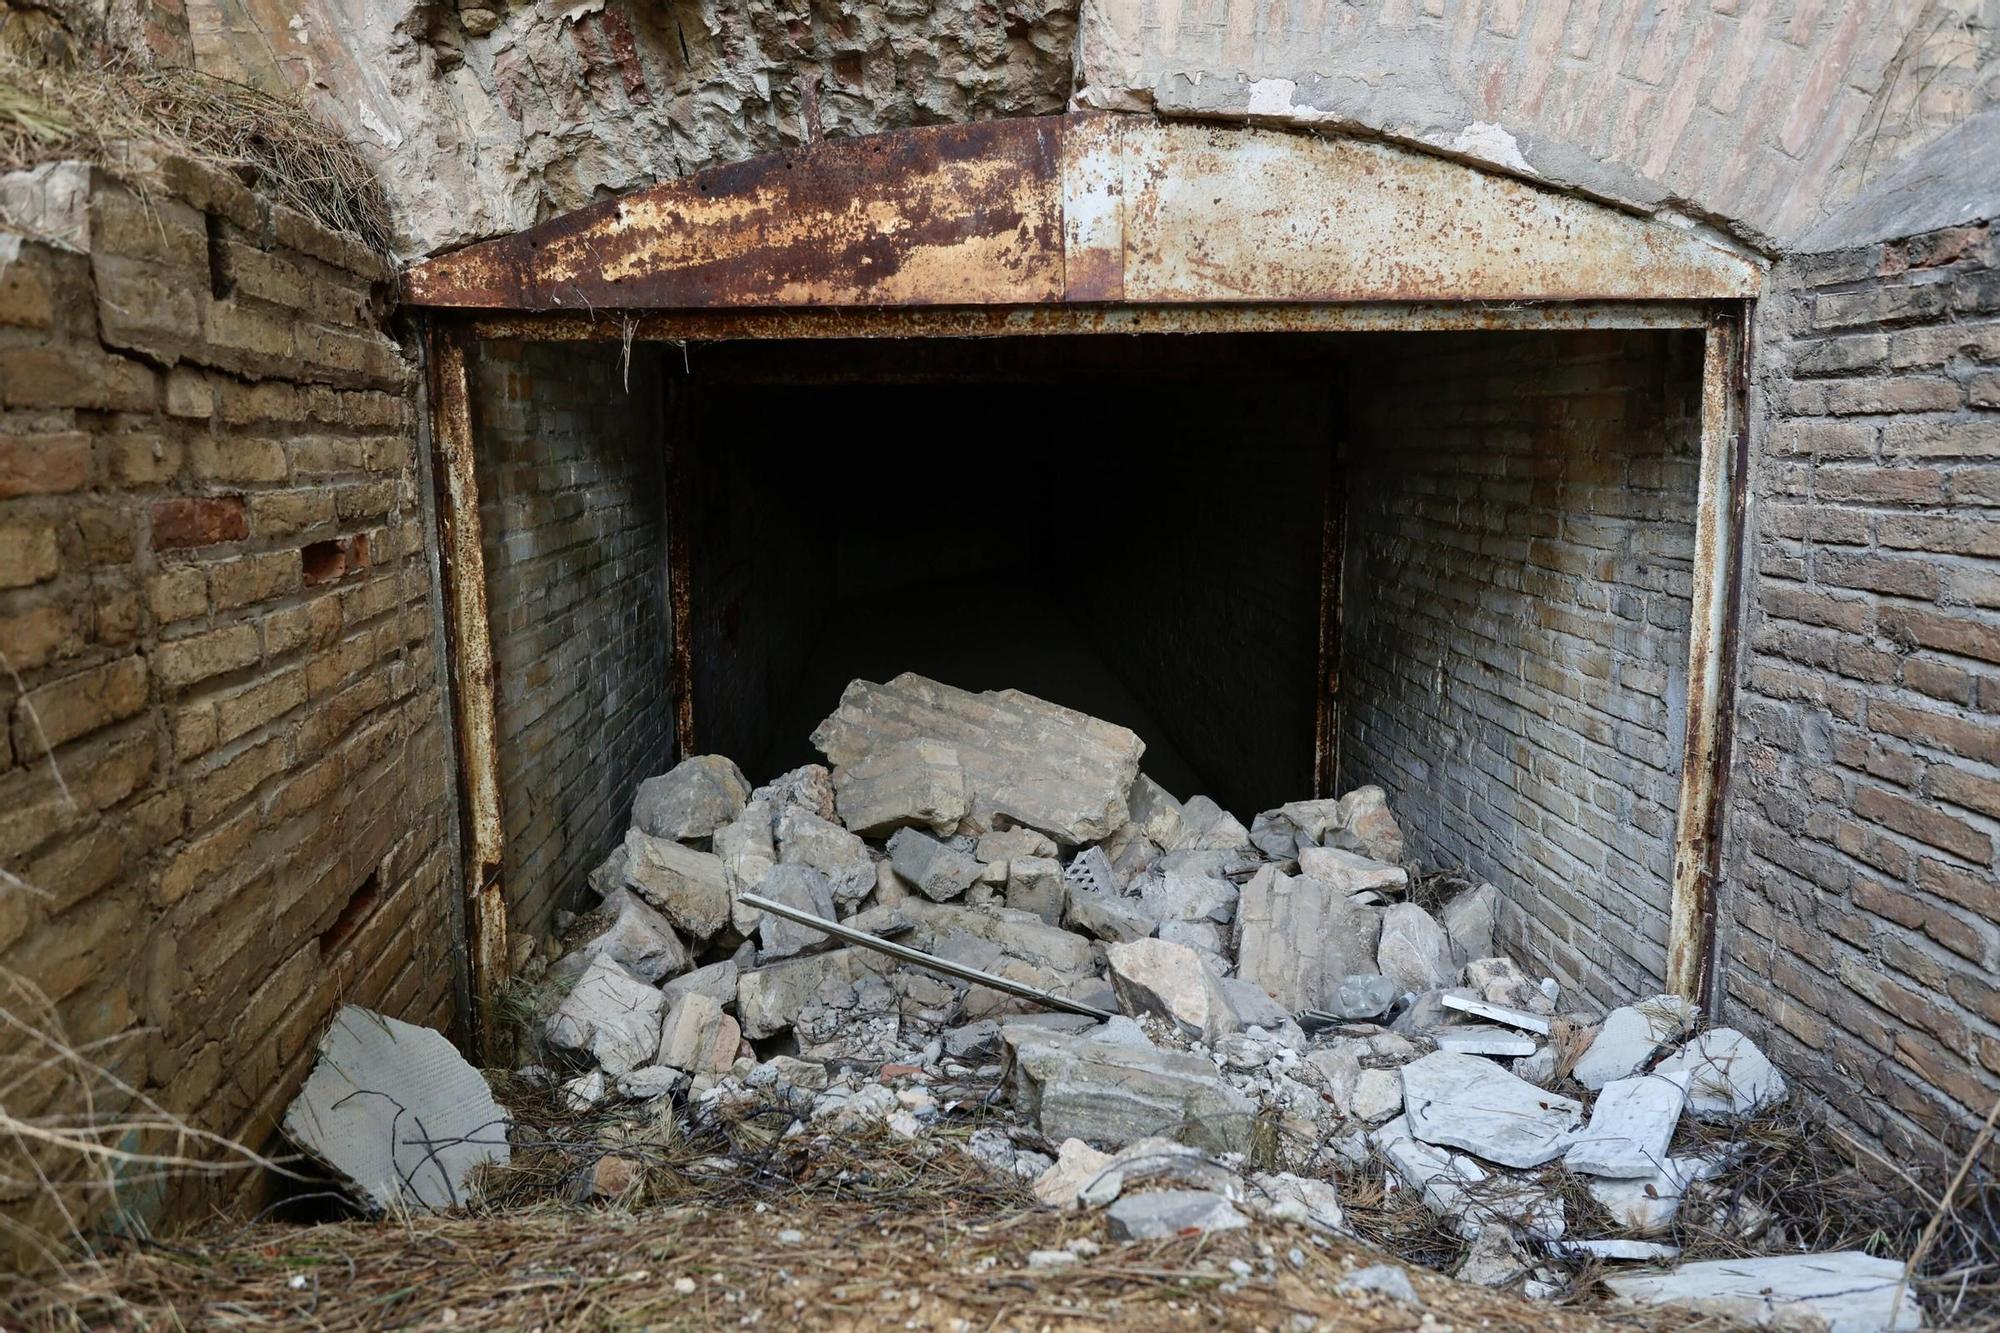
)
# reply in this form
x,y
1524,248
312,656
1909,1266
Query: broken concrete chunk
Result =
x,y
808,786
1204,937
1362,995
612,1015
1035,884
1365,819
1026,761
1186,895
1848,1291
807,840
1630,1127
1275,835
690,887
628,932
1114,1095
717,981
1076,1165
375,1078
1351,872
1469,921
1283,1197
1314,819
609,873
1131,854
768,1000
1501,981
1155,813
1297,939
1009,843
913,782
1462,1101
1207,827
1413,952
1630,1035
1108,916
797,886
1172,981
692,800
1156,1213
748,852
1727,1075
939,872
697,1037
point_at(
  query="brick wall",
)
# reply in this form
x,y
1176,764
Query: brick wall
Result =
x,y
1515,636
1863,889
573,514
224,774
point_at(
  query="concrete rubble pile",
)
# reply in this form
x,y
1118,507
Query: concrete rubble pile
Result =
x,y
1264,1009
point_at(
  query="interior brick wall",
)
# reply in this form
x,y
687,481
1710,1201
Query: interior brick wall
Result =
x,y
1518,554
572,494
225,793
1862,907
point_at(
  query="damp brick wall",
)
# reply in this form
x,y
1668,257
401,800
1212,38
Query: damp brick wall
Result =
x,y
571,472
1861,903
225,778
1515,609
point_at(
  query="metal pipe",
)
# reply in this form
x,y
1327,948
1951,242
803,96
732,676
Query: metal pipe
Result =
x,y
922,959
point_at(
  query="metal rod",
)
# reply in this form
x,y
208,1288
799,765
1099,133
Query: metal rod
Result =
x,y
922,959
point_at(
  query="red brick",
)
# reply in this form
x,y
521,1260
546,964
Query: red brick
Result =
x,y
185,522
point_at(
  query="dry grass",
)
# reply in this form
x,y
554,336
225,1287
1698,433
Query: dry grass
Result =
x,y
121,114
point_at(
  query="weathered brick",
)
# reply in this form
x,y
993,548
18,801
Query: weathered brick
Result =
x,y
74,706
72,377
281,513
43,464
183,662
238,459
250,708
184,522
252,578
27,555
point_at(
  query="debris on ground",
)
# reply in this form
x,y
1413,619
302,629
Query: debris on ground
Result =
x,y
985,932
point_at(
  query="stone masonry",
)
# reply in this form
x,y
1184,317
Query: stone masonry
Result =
x,y
1514,665
1862,916
225,778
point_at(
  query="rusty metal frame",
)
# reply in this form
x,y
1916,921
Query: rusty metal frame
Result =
x,y
1715,612
469,647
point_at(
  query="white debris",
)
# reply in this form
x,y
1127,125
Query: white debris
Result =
x,y
1630,1035
1483,1039
397,1111
1842,1292
1727,1075
1462,1101
1527,1022
1630,1127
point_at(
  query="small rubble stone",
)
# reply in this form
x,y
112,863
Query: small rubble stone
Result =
x,y
808,786
697,1036
1350,872
1155,1213
1362,995
914,782
806,839
769,998
1365,819
1384,1280
1492,1260
609,874
1469,921
1728,1076
1155,976
649,1083
798,886
1630,1035
1462,1101
691,800
1076,1165
585,1090
1413,953
1284,1197
610,1014
691,887
1042,1261
938,871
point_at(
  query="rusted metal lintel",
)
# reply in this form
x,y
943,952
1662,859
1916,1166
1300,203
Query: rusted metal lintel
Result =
x,y
1721,496
1088,208
1052,321
469,644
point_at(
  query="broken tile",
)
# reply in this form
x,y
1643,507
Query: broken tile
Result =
x,y
375,1078
1516,1018
1647,1204
1026,761
1483,1039
1459,1190
1629,1036
1462,1101
691,800
1727,1075
1630,1126
913,782
1843,1292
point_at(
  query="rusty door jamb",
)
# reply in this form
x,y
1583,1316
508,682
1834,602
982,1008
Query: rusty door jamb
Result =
x,y
469,648
1715,611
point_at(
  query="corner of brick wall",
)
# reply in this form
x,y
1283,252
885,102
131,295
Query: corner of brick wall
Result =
x,y
1862,893
224,771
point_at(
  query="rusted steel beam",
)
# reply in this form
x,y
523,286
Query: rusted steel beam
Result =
x,y
963,214
1051,321
1084,209
469,649
1713,623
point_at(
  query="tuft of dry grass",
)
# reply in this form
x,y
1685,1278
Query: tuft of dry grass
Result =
x,y
120,113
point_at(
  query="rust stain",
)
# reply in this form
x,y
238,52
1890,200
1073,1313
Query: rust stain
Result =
x,y
1713,606
469,644
1083,209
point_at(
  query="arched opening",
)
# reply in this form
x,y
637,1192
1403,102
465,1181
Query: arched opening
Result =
x,y
1315,461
